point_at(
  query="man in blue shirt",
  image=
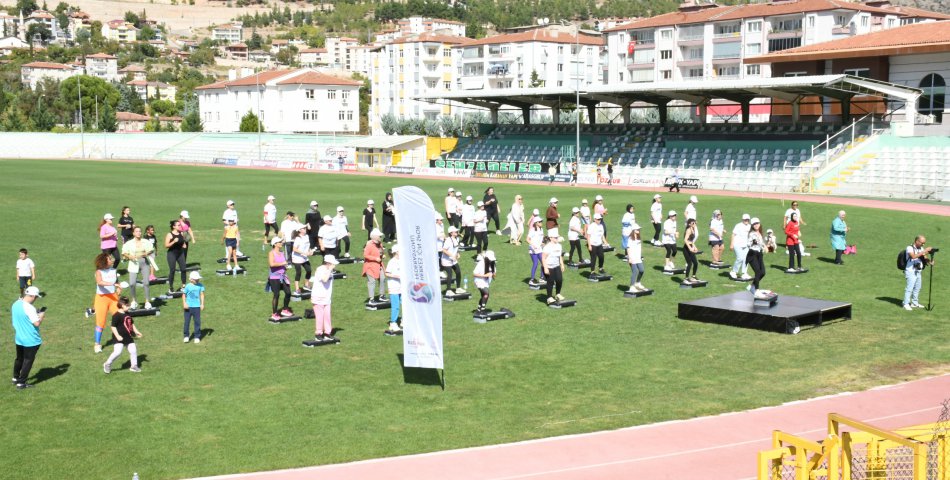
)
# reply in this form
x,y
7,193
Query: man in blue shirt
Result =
x,y
26,327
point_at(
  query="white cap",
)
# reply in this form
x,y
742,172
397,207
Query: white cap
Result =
x,y
184,214
468,198
490,255
438,216
635,226
769,231
313,203
672,213
395,248
552,200
339,208
453,229
693,199
327,218
32,291
123,284
331,260
536,211
755,220
370,202
230,202
598,198
745,216
276,240
584,201
657,196
481,203
271,197
598,216
458,194
107,216
451,189
575,210
375,233
194,276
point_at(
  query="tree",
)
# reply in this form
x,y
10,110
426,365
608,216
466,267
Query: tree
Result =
x,y
255,42
43,120
250,123
153,125
129,100
38,30
164,108
535,80
94,90
26,6
107,120
13,120
474,30
389,123
201,56
287,55
95,30
192,122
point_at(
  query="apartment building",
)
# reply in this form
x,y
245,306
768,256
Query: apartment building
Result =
x,y
289,101
417,25
338,51
312,57
33,73
120,31
704,41
104,66
228,33
409,67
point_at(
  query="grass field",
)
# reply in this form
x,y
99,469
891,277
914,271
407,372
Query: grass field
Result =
x,y
249,398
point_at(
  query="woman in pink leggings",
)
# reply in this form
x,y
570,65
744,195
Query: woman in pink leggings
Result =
x,y
320,296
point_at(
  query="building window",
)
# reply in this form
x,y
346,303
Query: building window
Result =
x,y
755,26
753,70
796,74
306,115
779,44
345,94
560,49
560,67
666,34
448,85
840,21
864,21
666,54
891,22
560,83
341,114
730,71
666,74
310,93
753,49
858,72
641,76
694,73
331,94
349,114
934,99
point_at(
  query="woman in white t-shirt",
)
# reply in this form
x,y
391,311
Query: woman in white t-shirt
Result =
x,y
289,227
635,259
342,231
575,230
300,258
535,245
670,235
481,228
656,216
626,222
585,212
394,284
321,297
716,230
483,274
552,259
595,243
516,221
449,260
468,222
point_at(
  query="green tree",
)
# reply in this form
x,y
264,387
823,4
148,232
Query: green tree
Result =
x,y
95,31
94,90
107,120
201,56
13,120
164,108
38,30
287,55
192,122
535,80
389,123
366,97
26,6
129,100
43,120
250,123
153,125
255,42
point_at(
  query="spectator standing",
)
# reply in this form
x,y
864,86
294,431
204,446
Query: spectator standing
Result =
x,y
270,218
839,232
108,238
25,270
740,245
916,259
656,217
26,328
389,218
491,207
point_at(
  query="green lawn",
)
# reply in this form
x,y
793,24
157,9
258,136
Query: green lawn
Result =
x,y
251,398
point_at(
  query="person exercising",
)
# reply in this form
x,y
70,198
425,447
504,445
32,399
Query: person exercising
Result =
x,y
483,274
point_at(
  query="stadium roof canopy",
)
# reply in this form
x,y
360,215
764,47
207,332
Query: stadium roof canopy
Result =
x,y
789,89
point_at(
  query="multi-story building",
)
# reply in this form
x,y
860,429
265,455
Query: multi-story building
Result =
x,y
289,101
120,31
704,41
136,72
417,25
338,51
361,59
78,20
312,57
33,73
10,44
147,90
551,57
8,25
228,33
409,67
104,66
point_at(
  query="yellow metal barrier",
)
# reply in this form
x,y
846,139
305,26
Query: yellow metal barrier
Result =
x,y
864,452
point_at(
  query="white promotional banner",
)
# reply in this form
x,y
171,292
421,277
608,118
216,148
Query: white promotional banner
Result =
x,y
421,292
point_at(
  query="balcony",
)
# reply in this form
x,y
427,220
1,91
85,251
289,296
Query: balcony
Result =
x,y
642,65
691,62
774,34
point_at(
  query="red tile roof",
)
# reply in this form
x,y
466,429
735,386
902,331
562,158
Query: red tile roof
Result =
x,y
928,37
48,66
540,35
104,56
313,50
132,68
130,117
432,38
317,78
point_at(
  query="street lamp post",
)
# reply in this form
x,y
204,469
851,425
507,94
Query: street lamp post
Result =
x,y
577,90
82,133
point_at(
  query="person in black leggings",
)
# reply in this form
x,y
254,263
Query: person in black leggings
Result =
x,y
175,244
754,257
689,251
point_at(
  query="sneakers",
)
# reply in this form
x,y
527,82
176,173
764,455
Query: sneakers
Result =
x,y
346,255
286,313
97,348
497,232
916,305
297,293
633,289
641,287
197,340
305,288
148,306
135,369
746,277
790,270
806,254
21,386
394,328
185,340
134,306
90,312
329,338
749,288
459,291
908,307
318,337
551,300
559,297
275,318
733,276
107,367
602,271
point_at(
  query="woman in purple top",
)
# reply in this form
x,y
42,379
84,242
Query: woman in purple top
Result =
x,y
277,280
108,238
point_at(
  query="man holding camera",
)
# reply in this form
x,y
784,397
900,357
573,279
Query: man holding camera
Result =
x,y
916,259
26,325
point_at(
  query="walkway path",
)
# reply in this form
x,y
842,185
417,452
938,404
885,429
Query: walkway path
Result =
x,y
718,447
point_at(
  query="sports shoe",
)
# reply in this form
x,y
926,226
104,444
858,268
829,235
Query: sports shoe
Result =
x,y
134,306
97,348
916,305
306,289
169,293
21,386
633,289
559,297
459,291
329,338
346,255
790,270
497,232
318,337
185,340
551,300
90,312
107,367
908,307
749,288
197,340
806,254
394,328
275,317
733,276
286,313
602,271
135,369
642,287
297,293
800,269
746,277
148,306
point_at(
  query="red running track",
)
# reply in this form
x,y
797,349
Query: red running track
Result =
x,y
718,447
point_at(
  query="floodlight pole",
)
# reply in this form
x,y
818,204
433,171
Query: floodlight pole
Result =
x,y
577,78
82,133
257,79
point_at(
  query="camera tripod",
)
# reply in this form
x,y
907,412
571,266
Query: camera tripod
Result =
x,y
930,287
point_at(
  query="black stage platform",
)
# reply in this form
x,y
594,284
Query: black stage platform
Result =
x,y
789,314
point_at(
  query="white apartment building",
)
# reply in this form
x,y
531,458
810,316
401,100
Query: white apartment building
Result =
x,y
34,73
10,44
338,51
706,41
409,67
228,33
104,66
418,25
361,59
311,57
288,101
556,54
120,31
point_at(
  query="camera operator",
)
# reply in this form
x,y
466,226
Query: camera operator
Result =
x,y
916,260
